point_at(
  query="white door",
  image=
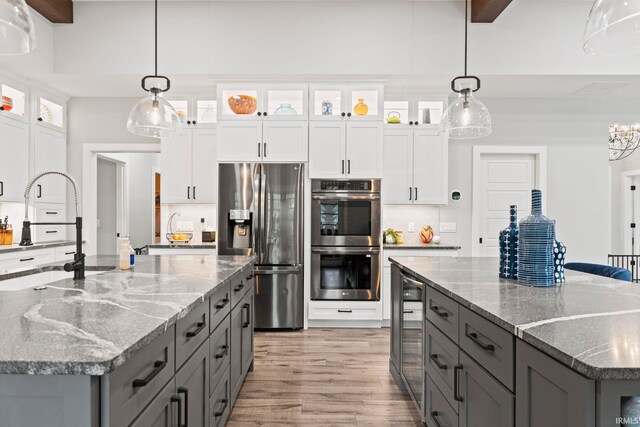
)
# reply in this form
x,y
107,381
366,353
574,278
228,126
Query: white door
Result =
x,y
240,141
327,149
205,171
505,179
14,174
176,167
49,155
397,185
430,168
364,150
285,141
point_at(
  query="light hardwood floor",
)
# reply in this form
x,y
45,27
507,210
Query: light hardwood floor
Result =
x,y
322,377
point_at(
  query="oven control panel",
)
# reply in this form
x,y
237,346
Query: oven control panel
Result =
x,y
352,185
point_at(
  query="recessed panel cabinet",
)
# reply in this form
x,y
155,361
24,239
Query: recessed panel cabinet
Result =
x,y
268,141
14,174
50,154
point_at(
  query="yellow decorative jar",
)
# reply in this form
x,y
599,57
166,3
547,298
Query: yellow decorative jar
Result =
x,y
361,109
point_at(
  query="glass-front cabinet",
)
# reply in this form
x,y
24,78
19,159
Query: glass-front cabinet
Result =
x,y
338,102
422,112
50,111
263,101
195,111
15,101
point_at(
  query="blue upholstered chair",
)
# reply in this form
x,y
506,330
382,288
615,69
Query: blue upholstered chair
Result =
x,y
600,270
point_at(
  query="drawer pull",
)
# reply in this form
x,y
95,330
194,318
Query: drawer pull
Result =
x,y
220,305
238,288
51,231
51,213
345,311
199,329
223,409
158,366
176,399
248,322
456,381
439,364
436,310
486,347
225,351
70,253
185,391
434,415
407,311
26,259
250,277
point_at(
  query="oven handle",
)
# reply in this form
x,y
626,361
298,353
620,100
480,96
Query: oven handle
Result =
x,y
342,250
411,281
334,196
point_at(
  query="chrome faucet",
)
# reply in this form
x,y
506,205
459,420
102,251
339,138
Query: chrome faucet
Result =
x,y
77,266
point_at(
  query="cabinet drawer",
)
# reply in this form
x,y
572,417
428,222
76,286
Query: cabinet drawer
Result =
x,y
30,258
219,305
345,310
160,412
437,411
443,312
191,331
49,233
238,288
219,351
133,385
220,402
491,346
65,253
51,213
441,355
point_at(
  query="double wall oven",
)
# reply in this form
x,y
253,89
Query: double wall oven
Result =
x,y
345,239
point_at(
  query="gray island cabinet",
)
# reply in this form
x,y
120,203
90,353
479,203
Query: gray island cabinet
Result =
x,y
168,344
494,353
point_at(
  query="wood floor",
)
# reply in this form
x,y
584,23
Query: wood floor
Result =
x,y
322,377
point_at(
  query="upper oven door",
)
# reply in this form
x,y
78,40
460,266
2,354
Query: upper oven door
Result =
x,y
345,219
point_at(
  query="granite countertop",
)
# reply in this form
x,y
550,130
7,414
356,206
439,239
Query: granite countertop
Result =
x,y
183,245
53,244
589,323
91,327
430,246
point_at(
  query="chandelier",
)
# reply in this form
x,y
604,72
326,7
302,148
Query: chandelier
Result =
x,y
623,141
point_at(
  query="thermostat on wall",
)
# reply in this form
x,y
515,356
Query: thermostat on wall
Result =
x,y
455,196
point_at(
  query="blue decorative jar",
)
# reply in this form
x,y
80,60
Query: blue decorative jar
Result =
x,y
536,259
509,246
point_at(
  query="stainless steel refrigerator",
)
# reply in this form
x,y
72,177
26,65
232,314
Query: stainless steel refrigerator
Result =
x,y
260,212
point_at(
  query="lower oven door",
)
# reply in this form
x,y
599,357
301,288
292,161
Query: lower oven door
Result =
x,y
345,273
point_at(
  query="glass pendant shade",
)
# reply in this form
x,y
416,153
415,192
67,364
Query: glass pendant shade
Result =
x,y
154,117
17,33
613,28
466,118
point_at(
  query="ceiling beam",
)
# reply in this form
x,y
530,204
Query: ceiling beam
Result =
x,y
56,11
487,10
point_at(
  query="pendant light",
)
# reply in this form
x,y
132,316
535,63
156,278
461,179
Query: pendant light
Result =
x,y
153,116
467,117
613,28
17,33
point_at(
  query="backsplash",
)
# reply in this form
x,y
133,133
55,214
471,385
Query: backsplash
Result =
x,y
189,214
15,212
399,217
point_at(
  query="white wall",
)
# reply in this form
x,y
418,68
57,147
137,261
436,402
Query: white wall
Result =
x,y
578,184
398,218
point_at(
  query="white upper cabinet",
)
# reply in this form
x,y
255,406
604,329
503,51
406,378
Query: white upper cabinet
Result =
x,y
345,150
194,112
189,168
240,141
357,102
50,111
14,173
270,102
15,100
415,167
285,141
49,154
403,112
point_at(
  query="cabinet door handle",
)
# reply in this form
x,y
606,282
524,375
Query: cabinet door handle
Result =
x,y
188,122
1,188
434,358
223,409
69,253
51,213
348,167
158,366
200,328
189,192
248,322
456,381
476,340
407,311
259,113
225,351
265,114
345,311
51,231
185,391
176,399
238,288
436,310
343,114
259,145
194,122
411,122
348,114
26,259
434,416
410,194
416,188
343,165
264,149
39,119
39,191
194,192
224,302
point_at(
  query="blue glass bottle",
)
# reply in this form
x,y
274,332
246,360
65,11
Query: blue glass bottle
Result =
x,y
509,246
535,250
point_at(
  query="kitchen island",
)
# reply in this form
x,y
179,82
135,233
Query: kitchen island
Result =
x,y
491,352
169,339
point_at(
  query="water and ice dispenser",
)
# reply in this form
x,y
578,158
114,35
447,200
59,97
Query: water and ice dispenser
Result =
x,y
240,229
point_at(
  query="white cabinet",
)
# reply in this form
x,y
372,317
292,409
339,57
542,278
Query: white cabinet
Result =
x,y
345,150
199,112
50,111
269,102
415,167
49,154
189,167
14,172
356,102
269,141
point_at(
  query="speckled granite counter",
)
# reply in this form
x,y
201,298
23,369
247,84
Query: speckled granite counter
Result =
x,y
93,326
590,323
413,246
17,248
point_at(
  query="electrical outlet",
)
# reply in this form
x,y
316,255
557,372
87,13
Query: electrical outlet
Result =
x,y
184,225
411,227
448,227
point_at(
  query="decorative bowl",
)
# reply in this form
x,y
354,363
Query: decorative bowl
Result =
x,y
285,110
7,103
243,104
180,237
